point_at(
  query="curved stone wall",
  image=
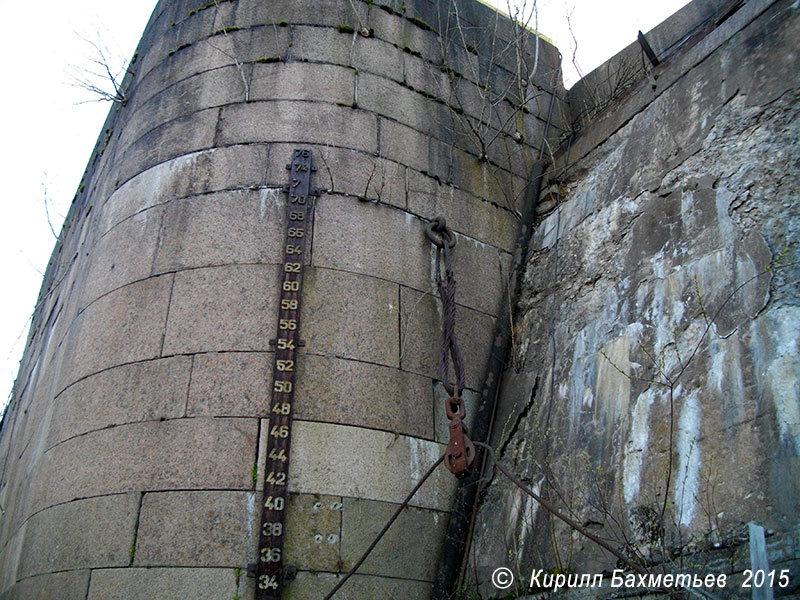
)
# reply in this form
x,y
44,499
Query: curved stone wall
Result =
x,y
131,449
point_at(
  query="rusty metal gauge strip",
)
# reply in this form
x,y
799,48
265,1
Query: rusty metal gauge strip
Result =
x,y
270,569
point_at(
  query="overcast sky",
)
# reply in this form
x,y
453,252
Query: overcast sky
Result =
x,y
49,130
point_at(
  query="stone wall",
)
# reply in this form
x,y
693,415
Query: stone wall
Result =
x,y
654,391
131,450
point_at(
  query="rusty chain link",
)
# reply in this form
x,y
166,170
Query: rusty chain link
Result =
x,y
460,451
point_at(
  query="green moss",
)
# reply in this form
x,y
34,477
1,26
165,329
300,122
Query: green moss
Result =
x,y
224,30
282,23
387,8
255,478
178,49
269,59
81,187
132,551
422,24
191,12
345,29
211,4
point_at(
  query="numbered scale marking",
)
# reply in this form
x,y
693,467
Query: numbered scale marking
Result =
x,y
270,572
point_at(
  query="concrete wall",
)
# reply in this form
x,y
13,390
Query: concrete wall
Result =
x,y
138,417
660,322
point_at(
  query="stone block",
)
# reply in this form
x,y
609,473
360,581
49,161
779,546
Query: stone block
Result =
x,y
372,240
410,549
312,586
208,89
147,391
385,466
420,327
123,255
205,54
299,122
486,180
198,529
123,326
313,532
176,454
10,554
238,227
164,584
94,532
371,55
391,28
404,145
222,308
69,585
349,172
366,395
331,13
302,81
180,136
393,100
426,77
197,173
484,272
197,25
323,44
463,212
350,316
230,384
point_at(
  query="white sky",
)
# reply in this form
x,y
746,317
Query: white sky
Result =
x,y
48,136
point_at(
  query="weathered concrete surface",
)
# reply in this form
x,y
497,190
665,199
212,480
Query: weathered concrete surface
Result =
x,y
656,366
